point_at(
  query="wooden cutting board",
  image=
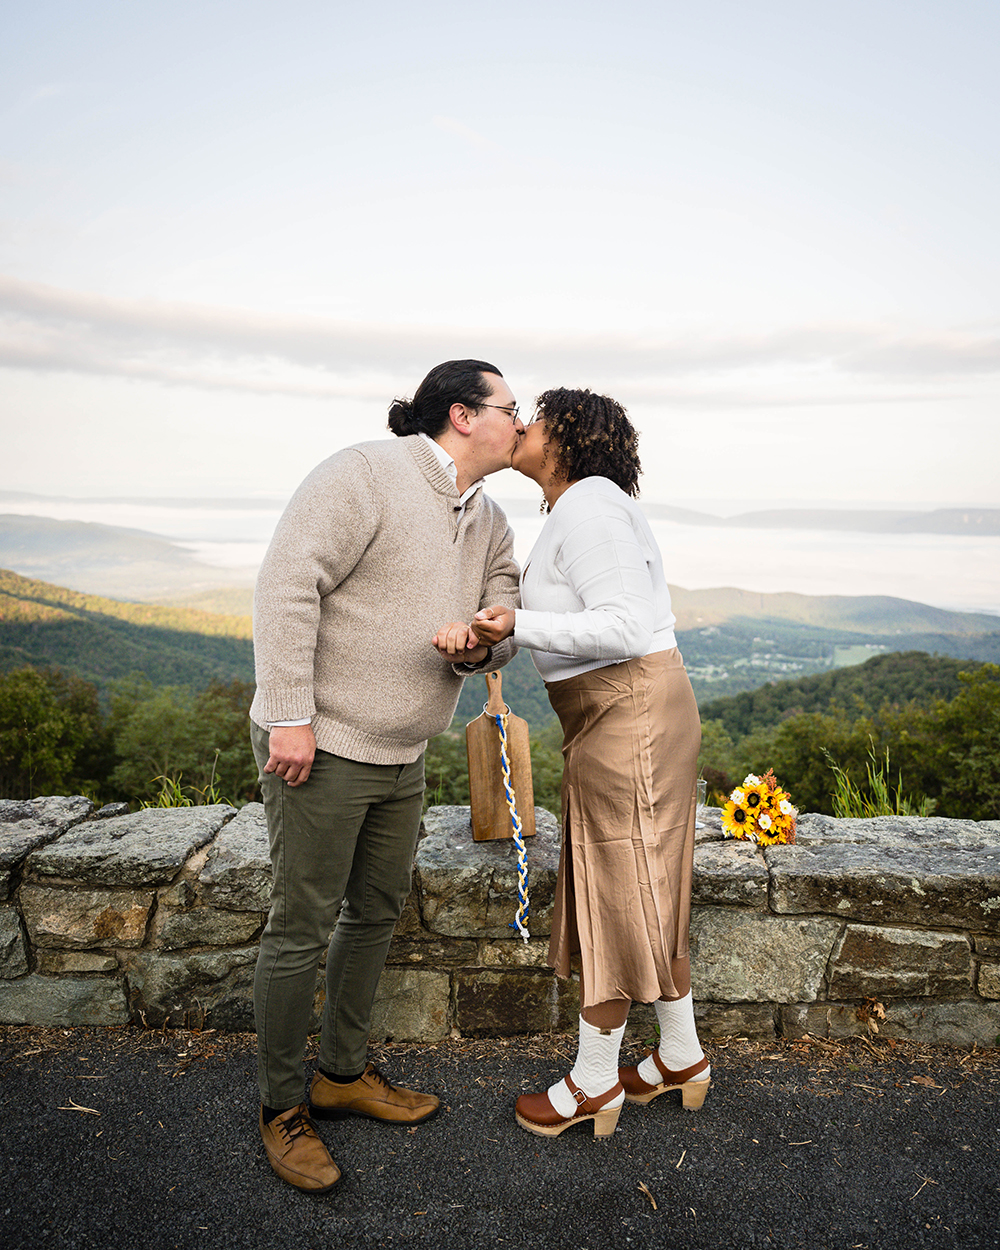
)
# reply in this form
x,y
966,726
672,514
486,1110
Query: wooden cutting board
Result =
x,y
490,813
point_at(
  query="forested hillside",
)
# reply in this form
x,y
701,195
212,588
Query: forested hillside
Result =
x,y
880,615
898,677
127,700
738,640
103,639
910,721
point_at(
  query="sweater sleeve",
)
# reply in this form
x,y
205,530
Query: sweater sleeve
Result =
x,y
500,585
601,567
320,538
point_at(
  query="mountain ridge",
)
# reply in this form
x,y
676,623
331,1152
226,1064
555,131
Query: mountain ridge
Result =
x,y
110,560
732,640
867,614
102,639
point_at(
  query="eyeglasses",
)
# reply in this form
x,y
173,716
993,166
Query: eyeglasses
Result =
x,y
510,410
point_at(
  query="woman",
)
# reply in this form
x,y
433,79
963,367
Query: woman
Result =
x,y
597,618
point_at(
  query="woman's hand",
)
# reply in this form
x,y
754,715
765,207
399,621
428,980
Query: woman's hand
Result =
x,y
493,625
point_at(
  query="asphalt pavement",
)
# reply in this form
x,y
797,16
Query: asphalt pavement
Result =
x,y
111,1137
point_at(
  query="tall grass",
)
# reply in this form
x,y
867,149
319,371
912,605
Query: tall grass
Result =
x,y
878,797
171,792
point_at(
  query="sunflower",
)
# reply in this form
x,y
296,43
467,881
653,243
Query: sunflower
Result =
x,y
736,821
753,798
771,800
768,834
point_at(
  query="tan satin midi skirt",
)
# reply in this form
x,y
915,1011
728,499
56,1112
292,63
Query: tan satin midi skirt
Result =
x,y
631,735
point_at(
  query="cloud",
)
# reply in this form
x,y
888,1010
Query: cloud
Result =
x,y
55,330
27,100
925,355
46,91
466,132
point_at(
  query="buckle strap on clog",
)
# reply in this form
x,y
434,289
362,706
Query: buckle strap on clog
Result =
x,y
678,1078
581,1097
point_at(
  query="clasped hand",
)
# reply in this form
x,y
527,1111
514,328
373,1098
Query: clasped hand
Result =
x,y
493,625
468,644
457,643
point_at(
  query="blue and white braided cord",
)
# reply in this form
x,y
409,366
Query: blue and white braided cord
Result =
x,y
520,920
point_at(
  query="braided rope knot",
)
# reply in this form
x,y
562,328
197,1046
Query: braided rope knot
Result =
x,y
520,919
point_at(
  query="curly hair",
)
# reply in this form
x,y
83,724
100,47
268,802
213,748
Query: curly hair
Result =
x,y
593,437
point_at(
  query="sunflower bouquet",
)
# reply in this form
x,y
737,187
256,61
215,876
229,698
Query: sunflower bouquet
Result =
x,y
760,811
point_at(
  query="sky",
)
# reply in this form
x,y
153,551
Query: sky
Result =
x,y
231,233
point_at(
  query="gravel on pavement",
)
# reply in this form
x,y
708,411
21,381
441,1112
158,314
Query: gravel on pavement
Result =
x,y
114,1137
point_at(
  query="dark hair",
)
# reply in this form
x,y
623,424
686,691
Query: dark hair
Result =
x,y
454,382
593,437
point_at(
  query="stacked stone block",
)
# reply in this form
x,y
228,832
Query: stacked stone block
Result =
x,y
154,918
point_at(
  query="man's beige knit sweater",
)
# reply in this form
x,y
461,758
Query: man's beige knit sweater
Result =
x,y
368,561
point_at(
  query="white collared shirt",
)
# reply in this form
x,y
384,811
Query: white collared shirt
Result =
x,y
451,468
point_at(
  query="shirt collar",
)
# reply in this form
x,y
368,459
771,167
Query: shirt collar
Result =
x,y
451,468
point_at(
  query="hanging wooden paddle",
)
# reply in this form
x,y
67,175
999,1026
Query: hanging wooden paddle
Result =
x,y
491,811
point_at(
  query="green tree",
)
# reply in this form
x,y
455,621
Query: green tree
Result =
x,y
199,742
966,733
222,711
799,755
546,773
446,769
51,735
154,735
715,760
948,753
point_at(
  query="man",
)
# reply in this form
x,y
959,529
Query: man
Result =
x,y
381,543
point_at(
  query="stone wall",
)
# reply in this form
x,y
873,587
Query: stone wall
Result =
x,y
154,917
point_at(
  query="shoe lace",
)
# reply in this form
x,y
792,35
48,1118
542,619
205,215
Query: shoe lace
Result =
x,y
377,1076
298,1124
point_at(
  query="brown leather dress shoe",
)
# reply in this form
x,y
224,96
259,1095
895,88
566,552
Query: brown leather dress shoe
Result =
x,y
692,1091
536,1113
296,1153
372,1096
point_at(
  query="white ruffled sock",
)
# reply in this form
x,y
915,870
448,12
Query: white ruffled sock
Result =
x,y
679,1046
595,1070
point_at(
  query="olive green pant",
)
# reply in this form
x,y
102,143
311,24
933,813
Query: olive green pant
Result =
x,y
342,849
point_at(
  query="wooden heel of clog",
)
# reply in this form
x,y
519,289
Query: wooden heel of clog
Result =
x,y
693,1094
605,1122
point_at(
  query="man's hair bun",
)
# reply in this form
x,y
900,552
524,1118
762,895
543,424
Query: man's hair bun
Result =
x,y
401,417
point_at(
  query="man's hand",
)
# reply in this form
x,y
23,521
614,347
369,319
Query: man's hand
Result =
x,y
292,750
457,643
494,624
